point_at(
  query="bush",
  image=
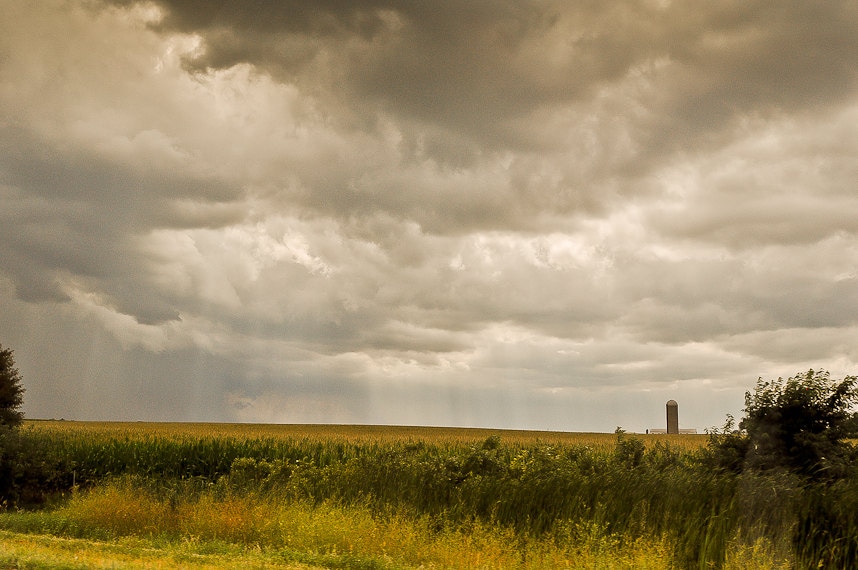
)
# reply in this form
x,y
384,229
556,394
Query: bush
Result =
x,y
801,424
30,469
797,465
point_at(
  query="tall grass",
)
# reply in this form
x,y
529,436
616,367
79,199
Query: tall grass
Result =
x,y
327,534
527,494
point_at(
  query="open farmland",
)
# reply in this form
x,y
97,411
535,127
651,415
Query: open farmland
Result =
x,y
344,433
306,496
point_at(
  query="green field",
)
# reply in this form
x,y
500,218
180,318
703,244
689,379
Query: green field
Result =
x,y
140,495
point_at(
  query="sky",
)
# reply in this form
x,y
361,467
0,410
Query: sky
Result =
x,y
506,214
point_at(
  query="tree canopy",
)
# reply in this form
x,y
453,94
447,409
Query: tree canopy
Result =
x,y
801,424
11,391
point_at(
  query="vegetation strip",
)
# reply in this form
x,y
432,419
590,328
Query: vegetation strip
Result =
x,y
779,491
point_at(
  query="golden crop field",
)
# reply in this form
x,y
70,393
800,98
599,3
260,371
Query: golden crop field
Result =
x,y
307,496
351,433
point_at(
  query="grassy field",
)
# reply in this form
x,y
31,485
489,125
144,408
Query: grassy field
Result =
x,y
137,495
115,527
18,550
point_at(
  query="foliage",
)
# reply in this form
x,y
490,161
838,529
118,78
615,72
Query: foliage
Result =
x,y
535,490
793,456
727,448
532,492
208,531
629,450
826,533
28,472
800,424
11,391
32,469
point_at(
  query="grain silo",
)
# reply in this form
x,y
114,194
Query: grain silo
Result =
x,y
672,416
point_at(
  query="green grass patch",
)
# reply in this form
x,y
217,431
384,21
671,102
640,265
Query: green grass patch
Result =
x,y
35,551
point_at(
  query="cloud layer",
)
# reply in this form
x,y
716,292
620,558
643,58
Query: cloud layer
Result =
x,y
511,214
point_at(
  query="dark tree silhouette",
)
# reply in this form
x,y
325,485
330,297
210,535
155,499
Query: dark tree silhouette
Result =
x,y
801,424
11,391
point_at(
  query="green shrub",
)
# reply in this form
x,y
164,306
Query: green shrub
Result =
x,y
30,469
792,450
800,424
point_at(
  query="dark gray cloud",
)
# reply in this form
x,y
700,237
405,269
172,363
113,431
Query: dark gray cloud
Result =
x,y
533,214
77,214
478,66
463,83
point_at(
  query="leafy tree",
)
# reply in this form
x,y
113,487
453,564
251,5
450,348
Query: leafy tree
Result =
x,y
800,424
11,391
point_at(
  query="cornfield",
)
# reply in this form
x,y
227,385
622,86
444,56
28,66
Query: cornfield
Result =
x,y
553,488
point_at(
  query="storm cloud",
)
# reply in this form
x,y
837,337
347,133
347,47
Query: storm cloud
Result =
x,y
509,214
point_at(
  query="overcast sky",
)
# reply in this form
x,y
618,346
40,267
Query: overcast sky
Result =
x,y
512,214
